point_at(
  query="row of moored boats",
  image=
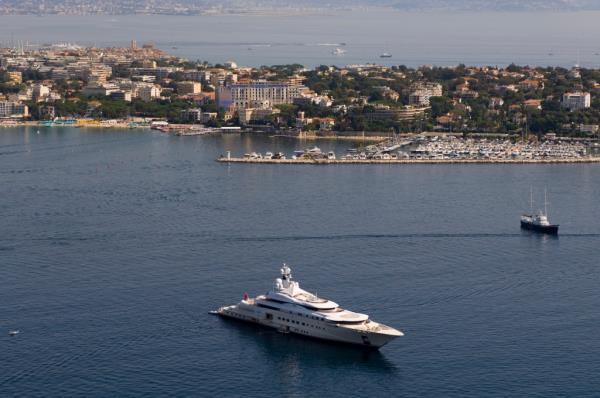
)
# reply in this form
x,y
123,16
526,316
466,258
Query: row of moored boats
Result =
x,y
310,153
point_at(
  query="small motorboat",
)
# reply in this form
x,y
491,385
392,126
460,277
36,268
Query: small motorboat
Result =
x,y
13,333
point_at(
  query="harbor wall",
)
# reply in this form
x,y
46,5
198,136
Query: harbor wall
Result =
x,y
409,161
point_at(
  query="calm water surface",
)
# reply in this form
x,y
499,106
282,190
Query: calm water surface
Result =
x,y
116,244
440,38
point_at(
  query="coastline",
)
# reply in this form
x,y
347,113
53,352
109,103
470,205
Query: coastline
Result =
x,y
358,138
119,126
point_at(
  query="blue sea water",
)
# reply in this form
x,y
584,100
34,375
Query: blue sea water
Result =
x,y
413,38
115,245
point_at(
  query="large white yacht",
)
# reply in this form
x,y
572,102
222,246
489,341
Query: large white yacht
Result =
x,y
290,309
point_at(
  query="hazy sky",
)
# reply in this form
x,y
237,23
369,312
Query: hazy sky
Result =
x,y
116,5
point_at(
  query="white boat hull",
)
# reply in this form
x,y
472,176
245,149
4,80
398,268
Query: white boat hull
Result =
x,y
296,323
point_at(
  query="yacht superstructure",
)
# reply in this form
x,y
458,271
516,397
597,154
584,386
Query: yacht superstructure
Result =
x,y
291,309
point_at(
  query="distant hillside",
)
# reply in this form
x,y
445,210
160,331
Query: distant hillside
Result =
x,y
79,7
501,5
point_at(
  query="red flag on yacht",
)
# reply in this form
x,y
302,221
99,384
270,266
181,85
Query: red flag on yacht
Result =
x,y
245,296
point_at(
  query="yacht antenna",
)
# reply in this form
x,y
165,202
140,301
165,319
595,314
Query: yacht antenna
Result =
x,y
545,203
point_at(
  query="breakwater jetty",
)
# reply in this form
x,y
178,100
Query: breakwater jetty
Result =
x,y
225,159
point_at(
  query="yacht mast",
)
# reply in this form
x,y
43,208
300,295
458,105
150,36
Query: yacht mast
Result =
x,y
531,200
545,203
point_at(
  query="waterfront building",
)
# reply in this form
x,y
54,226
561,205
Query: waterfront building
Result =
x,y
326,123
207,116
196,115
248,115
228,114
576,100
243,95
191,115
13,109
46,112
302,120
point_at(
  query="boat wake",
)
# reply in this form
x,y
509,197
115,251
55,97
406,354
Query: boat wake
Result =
x,y
373,236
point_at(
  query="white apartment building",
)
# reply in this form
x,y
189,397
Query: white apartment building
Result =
x,y
40,92
419,97
421,93
576,100
160,72
434,88
148,92
245,95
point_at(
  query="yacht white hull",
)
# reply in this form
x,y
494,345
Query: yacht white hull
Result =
x,y
370,334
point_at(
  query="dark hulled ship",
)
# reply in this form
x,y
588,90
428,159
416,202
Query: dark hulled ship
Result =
x,y
538,222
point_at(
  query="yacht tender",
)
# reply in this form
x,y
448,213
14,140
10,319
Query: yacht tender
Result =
x,y
290,309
